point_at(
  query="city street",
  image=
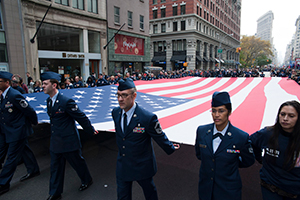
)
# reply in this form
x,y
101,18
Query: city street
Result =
x,y
177,176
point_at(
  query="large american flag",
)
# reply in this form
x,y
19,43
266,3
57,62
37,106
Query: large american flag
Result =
x,y
183,104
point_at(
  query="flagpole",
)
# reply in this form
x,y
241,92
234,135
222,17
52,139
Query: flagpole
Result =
x,y
114,36
32,39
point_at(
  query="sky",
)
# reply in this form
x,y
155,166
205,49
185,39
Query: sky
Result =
x,y
285,16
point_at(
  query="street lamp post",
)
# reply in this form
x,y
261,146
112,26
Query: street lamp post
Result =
x,y
220,50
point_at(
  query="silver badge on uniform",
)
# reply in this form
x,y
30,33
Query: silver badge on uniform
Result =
x,y
158,128
10,110
250,150
23,103
74,109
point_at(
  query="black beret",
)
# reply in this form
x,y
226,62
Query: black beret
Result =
x,y
126,84
6,75
220,99
50,75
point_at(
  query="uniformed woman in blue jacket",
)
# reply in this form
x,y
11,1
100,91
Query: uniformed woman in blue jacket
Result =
x,y
278,149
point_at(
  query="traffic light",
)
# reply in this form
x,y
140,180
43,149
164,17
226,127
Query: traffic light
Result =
x,y
238,49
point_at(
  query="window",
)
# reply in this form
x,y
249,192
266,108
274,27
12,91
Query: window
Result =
x,y
163,12
154,1
174,10
163,1
155,28
182,9
63,2
197,10
94,41
117,15
178,45
79,4
129,18
142,22
174,26
53,37
182,25
3,52
160,46
200,12
154,14
163,28
93,6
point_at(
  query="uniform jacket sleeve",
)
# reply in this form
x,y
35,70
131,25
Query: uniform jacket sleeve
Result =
x,y
26,109
156,132
257,140
246,155
73,110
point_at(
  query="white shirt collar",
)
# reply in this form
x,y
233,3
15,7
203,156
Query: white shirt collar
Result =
x,y
223,132
54,98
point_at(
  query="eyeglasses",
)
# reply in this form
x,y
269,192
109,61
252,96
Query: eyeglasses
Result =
x,y
124,96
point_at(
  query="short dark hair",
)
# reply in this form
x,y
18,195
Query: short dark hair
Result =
x,y
228,107
55,81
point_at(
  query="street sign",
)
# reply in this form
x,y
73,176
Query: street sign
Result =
x,y
220,50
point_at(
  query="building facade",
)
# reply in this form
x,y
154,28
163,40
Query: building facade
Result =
x,y
128,50
264,32
297,42
69,41
293,48
194,34
12,52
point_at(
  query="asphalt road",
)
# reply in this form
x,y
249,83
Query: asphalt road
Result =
x,y
177,176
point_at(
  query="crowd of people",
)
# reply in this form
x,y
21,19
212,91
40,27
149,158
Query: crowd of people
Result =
x,y
103,79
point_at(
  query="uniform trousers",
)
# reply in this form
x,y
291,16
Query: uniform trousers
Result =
x,y
58,163
125,189
13,151
268,195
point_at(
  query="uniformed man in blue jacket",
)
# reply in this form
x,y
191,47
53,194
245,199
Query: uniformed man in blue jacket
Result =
x,y
222,149
65,141
135,127
17,116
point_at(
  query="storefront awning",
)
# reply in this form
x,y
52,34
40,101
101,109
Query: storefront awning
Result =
x,y
178,58
159,59
212,60
199,59
217,60
205,59
222,61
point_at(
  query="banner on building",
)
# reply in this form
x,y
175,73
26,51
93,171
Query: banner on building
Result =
x,y
129,45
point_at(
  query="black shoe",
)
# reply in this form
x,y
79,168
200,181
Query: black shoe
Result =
x,y
85,186
4,188
28,176
54,197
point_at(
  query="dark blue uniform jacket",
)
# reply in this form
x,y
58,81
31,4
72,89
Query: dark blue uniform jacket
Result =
x,y
136,158
16,116
64,133
219,175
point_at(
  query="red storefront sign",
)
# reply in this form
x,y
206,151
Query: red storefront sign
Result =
x,y
129,45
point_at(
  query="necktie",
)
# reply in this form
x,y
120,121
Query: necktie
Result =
x,y
124,123
217,135
50,105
